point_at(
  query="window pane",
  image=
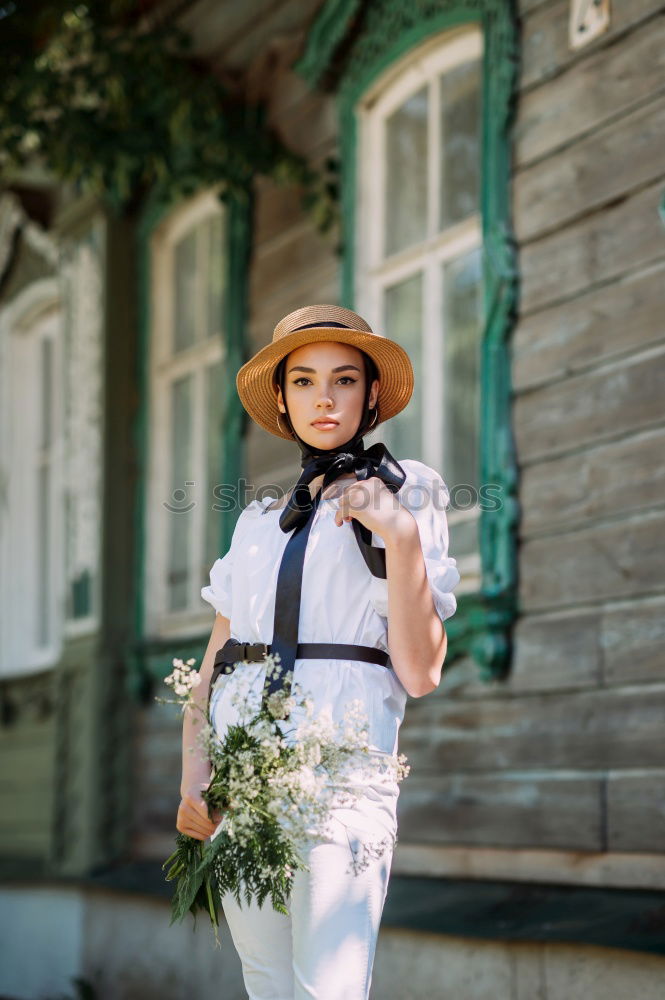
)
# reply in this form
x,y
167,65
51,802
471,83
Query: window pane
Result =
x,y
181,472
215,275
406,174
213,522
460,142
462,325
403,323
184,291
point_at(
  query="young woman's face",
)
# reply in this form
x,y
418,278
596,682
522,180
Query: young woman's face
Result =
x,y
324,384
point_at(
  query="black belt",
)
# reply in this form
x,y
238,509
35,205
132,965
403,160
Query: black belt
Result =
x,y
233,652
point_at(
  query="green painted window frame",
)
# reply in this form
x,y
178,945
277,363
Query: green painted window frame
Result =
x,y
350,43
150,657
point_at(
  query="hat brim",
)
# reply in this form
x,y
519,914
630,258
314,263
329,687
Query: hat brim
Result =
x,y
255,386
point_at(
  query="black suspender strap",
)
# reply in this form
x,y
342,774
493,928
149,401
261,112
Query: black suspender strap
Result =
x,y
287,603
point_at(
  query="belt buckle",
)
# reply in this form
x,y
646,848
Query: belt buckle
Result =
x,y
262,648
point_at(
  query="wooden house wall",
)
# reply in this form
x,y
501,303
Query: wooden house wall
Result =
x,y
566,754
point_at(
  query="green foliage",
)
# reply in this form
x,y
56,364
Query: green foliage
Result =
x,y
257,864
114,102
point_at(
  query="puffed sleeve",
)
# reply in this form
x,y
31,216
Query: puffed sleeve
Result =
x,y
219,592
426,495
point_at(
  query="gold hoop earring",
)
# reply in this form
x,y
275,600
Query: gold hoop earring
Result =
x,y
376,417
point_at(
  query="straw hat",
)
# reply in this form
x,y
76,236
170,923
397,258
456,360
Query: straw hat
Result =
x,y
255,380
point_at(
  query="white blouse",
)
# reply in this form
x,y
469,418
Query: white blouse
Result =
x,y
341,602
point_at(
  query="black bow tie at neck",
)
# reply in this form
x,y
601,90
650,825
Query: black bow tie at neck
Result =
x,y
365,462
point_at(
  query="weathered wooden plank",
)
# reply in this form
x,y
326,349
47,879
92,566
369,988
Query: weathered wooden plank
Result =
x,y
287,20
620,477
636,811
608,561
545,48
632,640
237,32
28,806
27,758
575,103
278,206
312,125
585,729
501,810
289,266
587,409
556,651
287,90
288,291
209,22
19,842
596,326
527,6
619,869
596,249
277,209
612,162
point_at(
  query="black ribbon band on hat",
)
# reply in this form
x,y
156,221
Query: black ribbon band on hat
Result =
x,y
308,326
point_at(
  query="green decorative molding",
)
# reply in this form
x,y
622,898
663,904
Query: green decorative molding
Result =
x,y
149,659
332,25
349,45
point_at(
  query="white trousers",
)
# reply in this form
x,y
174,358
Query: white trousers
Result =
x,y
324,949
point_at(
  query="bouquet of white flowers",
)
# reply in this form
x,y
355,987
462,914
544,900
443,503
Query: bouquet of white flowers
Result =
x,y
275,784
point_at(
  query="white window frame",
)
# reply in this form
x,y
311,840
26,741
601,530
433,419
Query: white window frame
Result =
x,y
166,368
84,333
32,316
374,272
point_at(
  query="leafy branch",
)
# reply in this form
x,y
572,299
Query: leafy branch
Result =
x,y
106,98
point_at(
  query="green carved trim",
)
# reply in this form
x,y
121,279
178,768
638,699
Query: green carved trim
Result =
x,y
235,417
142,664
328,31
387,30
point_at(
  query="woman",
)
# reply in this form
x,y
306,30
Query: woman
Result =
x,y
354,560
